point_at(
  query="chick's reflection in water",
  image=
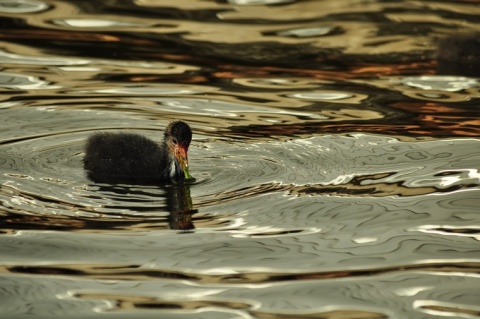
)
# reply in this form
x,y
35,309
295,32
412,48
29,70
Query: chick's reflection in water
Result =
x,y
147,207
179,204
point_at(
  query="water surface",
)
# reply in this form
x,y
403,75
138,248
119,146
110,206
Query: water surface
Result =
x,y
336,170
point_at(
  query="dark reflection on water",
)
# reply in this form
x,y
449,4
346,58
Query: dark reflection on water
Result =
x,y
179,204
335,155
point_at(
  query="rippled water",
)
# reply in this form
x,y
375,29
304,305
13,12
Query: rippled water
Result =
x,y
336,166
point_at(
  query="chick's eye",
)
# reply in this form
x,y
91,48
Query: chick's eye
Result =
x,y
174,141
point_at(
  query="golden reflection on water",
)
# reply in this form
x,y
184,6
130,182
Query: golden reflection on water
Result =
x,y
336,171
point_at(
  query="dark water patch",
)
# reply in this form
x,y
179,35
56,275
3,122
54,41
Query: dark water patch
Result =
x,y
139,273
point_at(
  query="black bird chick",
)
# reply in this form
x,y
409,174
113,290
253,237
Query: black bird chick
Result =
x,y
133,157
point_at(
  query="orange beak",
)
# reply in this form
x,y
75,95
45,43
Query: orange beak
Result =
x,y
182,157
